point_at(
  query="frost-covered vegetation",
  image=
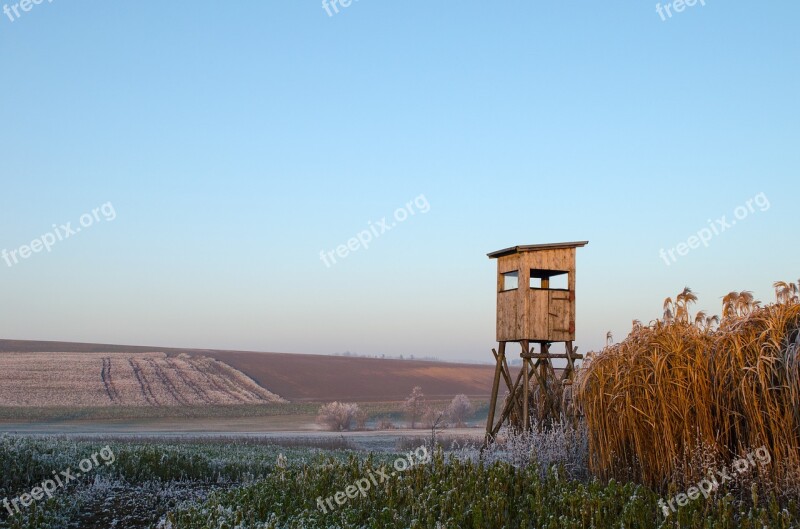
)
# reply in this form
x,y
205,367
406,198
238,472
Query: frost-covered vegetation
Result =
x,y
147,478
536,481
340,416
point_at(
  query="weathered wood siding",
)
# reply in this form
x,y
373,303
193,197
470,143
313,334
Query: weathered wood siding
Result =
x,y
531,313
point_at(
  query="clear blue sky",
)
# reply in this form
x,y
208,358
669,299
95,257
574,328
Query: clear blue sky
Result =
x,y
237,140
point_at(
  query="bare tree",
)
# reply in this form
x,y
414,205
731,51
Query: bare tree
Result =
x,y
433,416
436,421
360,418
415,405
459,410
338,416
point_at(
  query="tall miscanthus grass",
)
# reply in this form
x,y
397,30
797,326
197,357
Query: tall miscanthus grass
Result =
x,y
683,395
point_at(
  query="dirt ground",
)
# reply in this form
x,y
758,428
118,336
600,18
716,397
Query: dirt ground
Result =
x,y
296,377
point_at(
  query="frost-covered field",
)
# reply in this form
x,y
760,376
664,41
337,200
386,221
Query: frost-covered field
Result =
x,y
279,483
124,379
146,479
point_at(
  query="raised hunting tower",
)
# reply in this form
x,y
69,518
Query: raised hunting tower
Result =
x,y
535,305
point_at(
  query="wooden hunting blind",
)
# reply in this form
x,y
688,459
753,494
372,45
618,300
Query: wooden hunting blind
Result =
x,y
535,305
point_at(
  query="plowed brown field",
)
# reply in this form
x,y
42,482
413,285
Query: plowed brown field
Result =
x,y
139,378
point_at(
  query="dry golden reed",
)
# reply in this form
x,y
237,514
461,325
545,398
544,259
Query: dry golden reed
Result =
x,y
682,386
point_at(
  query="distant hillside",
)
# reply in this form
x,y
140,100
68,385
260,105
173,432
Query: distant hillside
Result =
x,y
298,377
37,346
316,377
123,379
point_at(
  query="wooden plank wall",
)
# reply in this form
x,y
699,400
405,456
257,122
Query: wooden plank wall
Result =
x,y
511,315
531,314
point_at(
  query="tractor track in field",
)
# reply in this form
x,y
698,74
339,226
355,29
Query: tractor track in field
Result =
x,y
105,375
201,394
161,375
214,382
225,379
227,373
147,391
128,380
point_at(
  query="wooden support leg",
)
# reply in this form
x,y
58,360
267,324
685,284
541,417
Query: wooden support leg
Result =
x,y
511,387
513,402
526,387
547,404
549,401
570,362
500,358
